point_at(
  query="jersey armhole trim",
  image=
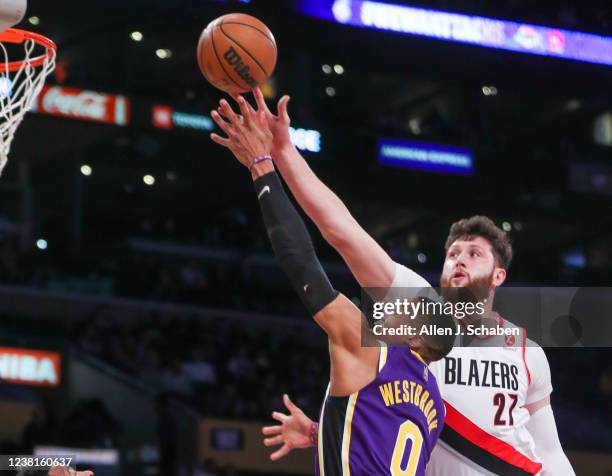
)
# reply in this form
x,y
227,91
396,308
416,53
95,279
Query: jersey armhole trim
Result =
x,y
524,358
320,435
418,356
382,356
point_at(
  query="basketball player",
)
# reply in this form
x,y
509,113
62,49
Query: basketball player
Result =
x,y
494,425
383,412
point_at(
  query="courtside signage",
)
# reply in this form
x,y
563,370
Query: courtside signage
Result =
x,y
83,105
307,140
30,367
165,117
455,27
423,156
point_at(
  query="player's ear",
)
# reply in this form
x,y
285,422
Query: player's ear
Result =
x,y
416,343
499,276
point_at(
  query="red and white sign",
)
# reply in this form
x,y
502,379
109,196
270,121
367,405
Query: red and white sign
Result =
x,y
162,116
30,367
84,105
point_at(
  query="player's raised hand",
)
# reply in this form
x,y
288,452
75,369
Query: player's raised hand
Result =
x,y
248,134
279,123
293,432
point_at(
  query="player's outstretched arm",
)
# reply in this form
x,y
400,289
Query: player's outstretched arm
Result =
x,y
368,261
296,430
249,138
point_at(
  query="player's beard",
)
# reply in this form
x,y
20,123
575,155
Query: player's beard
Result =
x,y
477,290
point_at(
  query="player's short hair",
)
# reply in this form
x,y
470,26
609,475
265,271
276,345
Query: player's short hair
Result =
x,y
478,225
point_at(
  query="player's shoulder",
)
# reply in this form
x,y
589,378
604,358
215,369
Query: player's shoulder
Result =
x,y
535,357
408,284
531,347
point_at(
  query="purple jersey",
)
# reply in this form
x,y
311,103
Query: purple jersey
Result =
x,y
389,427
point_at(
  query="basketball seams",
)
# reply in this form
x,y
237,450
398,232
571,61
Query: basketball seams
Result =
x,y
212,36
251,26
243,48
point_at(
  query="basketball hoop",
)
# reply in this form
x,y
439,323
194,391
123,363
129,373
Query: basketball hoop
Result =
x,y
21,81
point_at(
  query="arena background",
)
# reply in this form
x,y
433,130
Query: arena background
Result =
x,y
131,246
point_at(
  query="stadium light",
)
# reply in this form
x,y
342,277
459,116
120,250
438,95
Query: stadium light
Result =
x,y
163,53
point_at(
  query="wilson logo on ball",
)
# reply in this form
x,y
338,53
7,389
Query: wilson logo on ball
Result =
x,y
235,61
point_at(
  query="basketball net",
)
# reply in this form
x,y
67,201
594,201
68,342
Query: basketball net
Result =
x,y
20,81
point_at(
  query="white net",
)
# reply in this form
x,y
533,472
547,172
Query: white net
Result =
x,y
19,88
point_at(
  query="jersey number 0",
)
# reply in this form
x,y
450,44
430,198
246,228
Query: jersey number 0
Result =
x,y
407,431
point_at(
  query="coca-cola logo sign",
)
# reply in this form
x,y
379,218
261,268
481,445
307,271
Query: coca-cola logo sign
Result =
x,y
84,105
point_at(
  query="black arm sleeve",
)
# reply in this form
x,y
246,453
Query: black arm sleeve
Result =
x,y
292,244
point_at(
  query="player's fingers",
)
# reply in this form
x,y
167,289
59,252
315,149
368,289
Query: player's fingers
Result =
x,y
289,404
261,102
245,111
247,104
279,416
282,109
220,140
229,113
275,440
284,451
272,430
224,125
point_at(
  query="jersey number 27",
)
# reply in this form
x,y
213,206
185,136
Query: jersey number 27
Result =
x,y
499,400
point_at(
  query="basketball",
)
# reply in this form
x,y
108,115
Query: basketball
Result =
x,y
236,53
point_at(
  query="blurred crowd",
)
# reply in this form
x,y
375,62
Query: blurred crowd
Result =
x,y
222,368
210,274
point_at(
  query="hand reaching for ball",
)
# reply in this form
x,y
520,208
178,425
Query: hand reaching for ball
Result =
x,y
278,124
253,132
248,135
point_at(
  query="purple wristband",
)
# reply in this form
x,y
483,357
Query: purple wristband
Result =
x,y
259,159
314,434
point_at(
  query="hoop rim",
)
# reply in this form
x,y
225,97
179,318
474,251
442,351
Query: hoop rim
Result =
x,y
15,35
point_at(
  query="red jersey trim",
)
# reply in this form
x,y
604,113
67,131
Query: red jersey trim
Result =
x,y
499,448
524,359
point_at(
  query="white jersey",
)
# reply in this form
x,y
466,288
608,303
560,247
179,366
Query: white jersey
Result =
x,y
485,388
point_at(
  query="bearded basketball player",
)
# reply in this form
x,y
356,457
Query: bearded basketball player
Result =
x,y
499,420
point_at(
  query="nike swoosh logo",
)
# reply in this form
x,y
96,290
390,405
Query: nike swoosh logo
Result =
x,y
263,190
